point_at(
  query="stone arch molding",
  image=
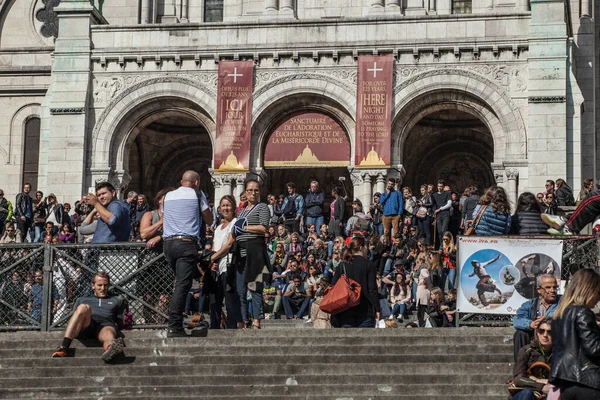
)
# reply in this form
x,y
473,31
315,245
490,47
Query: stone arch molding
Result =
x,y
276,99
415,97
117,121
16,135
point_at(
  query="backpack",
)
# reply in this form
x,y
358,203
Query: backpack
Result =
x,y
289,212
362,224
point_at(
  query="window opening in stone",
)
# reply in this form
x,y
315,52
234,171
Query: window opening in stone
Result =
x,y
462,6
31,153
213,11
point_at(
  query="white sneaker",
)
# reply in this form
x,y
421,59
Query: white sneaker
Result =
x,y
553,221
391,316
563,232
308,321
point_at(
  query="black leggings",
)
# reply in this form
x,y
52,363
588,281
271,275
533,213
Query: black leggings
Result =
x,y
578,392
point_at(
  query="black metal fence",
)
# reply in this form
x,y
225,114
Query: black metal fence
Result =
x,y
40,283
578,252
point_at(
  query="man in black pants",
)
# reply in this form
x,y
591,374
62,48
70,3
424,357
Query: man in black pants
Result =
x,y
587,211
24,211
442,202
96,317
183,212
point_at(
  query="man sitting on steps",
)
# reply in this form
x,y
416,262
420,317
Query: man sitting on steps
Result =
x,y
96,318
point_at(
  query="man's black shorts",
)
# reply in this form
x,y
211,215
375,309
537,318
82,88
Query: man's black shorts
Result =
x,y
93,330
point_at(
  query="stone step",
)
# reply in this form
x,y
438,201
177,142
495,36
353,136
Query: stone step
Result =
x,y
317,368
249,350
283,390
381,377
219,340
39,362
403,396
308,333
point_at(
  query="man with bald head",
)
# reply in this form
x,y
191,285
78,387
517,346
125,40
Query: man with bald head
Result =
x,y
183,212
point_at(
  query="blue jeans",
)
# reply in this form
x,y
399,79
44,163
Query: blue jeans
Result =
x,y
378,228
414,291
399,309
388,266
318,221
242,289
524,394
330,248
425,227
300,304
451,278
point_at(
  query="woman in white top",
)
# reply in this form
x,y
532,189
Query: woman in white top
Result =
x,y
222,242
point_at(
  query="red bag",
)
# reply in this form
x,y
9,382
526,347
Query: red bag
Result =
x,y
343,296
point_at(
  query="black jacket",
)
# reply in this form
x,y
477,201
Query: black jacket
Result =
x,y
528,356
339,209
576,348
469,206
564,196
363,272
22,205
528,223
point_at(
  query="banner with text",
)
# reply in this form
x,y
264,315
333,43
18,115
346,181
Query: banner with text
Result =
x,y
497,275
234,116
308,140
373,111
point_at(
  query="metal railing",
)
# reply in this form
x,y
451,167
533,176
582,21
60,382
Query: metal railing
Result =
x,y
141,276
144,279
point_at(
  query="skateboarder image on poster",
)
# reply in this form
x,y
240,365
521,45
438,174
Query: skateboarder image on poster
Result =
x,y
484,286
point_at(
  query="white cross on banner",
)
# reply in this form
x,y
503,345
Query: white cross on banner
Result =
x,y
235,75
374,70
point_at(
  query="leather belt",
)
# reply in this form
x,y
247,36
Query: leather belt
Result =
x,y
182,237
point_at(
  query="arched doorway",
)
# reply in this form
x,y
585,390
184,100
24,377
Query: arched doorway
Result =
x,y
166,148
163,143
452,145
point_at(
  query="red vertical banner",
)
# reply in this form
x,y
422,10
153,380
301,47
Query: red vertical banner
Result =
x,y
374,112
234,116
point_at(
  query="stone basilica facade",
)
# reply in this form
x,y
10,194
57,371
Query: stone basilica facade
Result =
x,y
484,91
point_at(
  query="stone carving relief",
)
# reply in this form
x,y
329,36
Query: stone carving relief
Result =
x,y
513,78
462,172
106,89
48,18
341,77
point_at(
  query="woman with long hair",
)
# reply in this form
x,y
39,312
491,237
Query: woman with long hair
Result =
x,y
399,297
492,215
576,339
252,262
357,267
448,254
423,282
221,259
528,216
564,193
435,269
434,308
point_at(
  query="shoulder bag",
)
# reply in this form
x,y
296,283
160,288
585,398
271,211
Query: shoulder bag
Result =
x,y
471,229
341,297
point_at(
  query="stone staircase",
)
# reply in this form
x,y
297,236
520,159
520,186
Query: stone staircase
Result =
x,y
283,360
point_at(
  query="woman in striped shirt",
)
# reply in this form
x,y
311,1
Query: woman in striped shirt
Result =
x,y
251,258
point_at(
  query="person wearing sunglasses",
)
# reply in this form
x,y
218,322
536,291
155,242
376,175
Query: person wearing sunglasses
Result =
x,y
533,365
529,316
11,234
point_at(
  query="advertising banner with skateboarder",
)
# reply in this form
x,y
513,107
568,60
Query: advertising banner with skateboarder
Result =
x,y
497,275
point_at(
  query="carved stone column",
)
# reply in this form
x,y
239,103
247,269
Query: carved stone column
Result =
x,y
222,184
512,174
240,179
415,7
286,9
380,185
185,4
377,7
586,9
170,14
394,6
270,6
367,195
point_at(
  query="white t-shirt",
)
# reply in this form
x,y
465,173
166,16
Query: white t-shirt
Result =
x,y
219,240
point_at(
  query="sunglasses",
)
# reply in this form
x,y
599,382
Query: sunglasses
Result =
x,y
545,331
